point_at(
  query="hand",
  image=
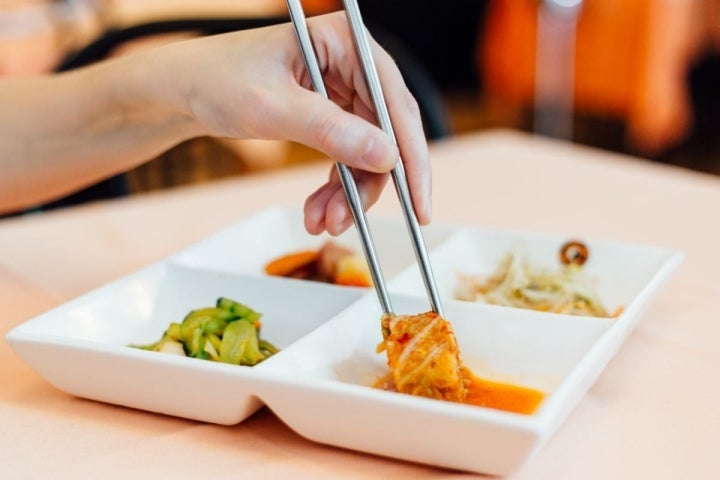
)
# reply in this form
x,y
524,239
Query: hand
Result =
x,y
253,84
101,120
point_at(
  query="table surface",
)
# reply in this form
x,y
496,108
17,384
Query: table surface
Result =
x,y
653,413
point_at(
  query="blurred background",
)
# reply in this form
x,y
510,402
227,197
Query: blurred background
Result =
x,y
634,76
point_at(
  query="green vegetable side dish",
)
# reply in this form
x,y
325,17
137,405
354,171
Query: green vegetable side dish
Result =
x,y
228,333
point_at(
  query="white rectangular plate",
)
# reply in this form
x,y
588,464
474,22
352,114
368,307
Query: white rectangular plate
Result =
x,y
322,378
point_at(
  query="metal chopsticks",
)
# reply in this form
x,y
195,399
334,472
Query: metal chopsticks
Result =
x,y
352,11
362,46
297,16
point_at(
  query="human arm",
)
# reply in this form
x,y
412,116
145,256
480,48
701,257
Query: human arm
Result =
x,y
66,131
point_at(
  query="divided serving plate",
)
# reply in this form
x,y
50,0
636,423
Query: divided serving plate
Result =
x,y
320,383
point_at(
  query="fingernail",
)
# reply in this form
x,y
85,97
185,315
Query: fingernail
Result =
x,y
375,157
367,156
347,221
342,224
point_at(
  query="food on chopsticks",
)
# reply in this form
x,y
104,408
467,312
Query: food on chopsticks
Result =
x,y
229,332
331,263
424,360
517,283
423,356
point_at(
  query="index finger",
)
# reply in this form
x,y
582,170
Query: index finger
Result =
x,y
407,125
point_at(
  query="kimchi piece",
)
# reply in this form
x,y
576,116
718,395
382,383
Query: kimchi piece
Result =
x,y
424,360
423,356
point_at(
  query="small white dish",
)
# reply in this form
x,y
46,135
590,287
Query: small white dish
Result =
x,y
623,275
82,347
321,386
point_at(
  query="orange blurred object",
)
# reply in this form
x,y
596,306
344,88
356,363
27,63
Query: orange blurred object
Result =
x,y
352,271
316,7
630,62
287,265
331,263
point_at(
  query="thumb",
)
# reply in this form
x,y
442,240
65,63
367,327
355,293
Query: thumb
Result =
x,y
345,137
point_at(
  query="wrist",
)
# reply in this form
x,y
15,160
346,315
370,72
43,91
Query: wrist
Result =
x,y
150,91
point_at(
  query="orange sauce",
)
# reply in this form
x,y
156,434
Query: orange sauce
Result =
x,y
499,395
488,393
